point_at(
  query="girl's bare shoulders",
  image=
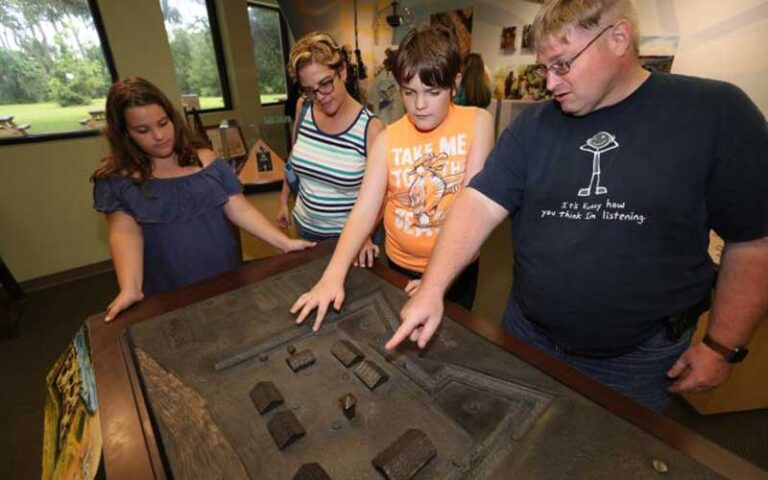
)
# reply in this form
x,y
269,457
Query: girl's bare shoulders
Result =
x,y
206,156
108,167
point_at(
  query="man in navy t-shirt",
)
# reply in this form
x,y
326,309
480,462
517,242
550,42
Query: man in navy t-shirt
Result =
x,y
612,188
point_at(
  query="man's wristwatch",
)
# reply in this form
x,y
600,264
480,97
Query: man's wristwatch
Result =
x,y
730,354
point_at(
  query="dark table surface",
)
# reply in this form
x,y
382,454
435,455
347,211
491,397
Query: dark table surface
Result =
x,y
131,449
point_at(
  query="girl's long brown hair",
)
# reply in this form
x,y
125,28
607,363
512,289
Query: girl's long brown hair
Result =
x,y
127,158
475,81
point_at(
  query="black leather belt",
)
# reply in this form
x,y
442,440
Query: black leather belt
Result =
x,y
678,324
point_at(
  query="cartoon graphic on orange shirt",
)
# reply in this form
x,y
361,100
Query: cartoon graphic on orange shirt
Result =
x,y
429,187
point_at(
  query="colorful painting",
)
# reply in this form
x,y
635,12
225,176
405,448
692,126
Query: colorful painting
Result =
x,y
72,440
657,53
460,21
527,42
508,35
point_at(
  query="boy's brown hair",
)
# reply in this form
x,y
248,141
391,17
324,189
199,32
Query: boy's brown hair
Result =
x,y
432,53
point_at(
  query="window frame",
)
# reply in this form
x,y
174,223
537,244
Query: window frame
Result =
x,y
285,48
98,24
218,52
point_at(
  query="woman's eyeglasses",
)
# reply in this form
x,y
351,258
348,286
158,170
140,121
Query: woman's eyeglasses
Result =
x,y
325,87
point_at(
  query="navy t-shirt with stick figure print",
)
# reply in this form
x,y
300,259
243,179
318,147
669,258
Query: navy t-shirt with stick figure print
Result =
x,y
611,212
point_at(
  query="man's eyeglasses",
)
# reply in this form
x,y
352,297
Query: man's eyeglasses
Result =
x,y
325,87
562,67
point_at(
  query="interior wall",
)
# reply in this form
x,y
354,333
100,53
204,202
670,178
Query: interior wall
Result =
x,y
337,18
488,19
47,223
721,40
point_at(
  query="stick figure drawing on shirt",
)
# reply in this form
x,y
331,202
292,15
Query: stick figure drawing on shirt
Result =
x,y
429,187
598,144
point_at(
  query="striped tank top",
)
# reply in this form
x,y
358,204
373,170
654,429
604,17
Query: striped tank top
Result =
x,y
330,170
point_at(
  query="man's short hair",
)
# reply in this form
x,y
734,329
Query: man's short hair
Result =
x,y
556,15
432,53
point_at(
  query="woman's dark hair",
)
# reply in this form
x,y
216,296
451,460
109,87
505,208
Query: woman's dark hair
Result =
x,y
128,159
474,81
432,53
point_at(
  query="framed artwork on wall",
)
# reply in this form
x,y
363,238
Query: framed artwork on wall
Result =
x,y
527,42
508,38
657,53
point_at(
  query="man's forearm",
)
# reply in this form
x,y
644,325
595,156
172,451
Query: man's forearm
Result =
x,y
741,293
471,219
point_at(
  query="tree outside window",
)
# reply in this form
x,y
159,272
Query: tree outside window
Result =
x,y
53,71
195,57
266,33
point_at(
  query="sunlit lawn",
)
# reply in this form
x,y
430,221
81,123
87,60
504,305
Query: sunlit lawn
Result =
x,y
211,102
49,117
273,98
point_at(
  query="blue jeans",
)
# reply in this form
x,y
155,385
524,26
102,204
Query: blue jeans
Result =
x,y
308,235
640,374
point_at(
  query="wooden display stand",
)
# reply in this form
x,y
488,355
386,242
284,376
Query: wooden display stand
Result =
x,y
255,179
746,389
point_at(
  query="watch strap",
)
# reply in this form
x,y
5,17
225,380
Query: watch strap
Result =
x,y
730,354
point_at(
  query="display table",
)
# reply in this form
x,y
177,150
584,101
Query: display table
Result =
x,y
177,379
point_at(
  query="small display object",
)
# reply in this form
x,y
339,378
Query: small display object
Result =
x,y
263,159
262,169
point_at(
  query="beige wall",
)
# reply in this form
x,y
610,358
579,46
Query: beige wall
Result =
x,y
47,224
720,40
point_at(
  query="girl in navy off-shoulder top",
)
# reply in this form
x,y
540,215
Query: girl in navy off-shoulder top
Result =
x,y
168,201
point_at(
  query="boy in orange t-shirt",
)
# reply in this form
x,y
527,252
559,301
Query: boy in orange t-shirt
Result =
x,y
415,169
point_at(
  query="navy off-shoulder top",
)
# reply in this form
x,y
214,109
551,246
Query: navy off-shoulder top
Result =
x,y
187,237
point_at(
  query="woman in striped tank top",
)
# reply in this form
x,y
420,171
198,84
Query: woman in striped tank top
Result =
x,y
333,135
415,171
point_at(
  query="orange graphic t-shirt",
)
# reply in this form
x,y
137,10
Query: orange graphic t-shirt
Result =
x,y
426,172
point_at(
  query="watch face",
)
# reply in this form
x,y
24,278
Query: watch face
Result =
x,y
738,355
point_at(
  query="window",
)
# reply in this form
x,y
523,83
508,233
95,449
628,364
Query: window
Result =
x,y
55,69
270,49
193,34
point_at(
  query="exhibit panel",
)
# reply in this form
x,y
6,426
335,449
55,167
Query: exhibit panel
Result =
x,y
220,383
